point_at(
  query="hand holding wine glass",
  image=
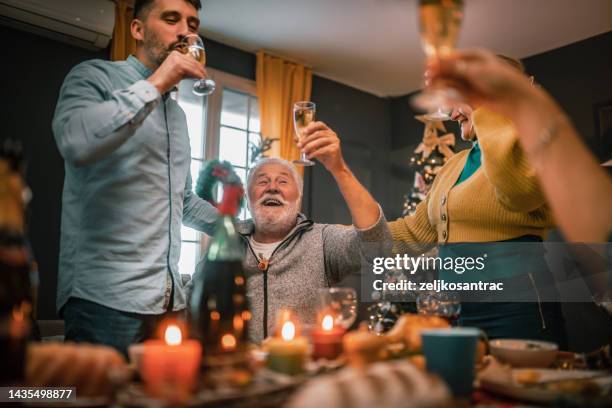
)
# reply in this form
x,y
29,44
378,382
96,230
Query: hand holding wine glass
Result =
x,y
483,79
322,143
176,67
193,45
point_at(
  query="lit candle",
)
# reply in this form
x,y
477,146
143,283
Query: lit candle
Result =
x,y
287,354
170,368
327,339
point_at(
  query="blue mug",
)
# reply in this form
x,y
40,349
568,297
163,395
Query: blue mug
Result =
x,y
451,354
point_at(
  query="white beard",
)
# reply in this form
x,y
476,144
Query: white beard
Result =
x,y
275,220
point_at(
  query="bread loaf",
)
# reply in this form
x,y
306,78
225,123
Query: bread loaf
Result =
x,y
89,368
387,384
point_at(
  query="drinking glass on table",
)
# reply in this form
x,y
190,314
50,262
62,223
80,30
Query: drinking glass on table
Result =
x,y
303,115
443,304
193,45
440,22
341,303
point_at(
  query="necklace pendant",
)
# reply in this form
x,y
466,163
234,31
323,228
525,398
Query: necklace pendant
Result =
x,y
262,265
263,262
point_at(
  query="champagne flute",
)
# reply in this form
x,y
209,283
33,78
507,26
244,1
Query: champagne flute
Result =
x,y
440,22
194,46
303,115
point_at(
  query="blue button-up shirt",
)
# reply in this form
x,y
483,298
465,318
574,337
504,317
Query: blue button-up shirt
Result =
x,y
126,190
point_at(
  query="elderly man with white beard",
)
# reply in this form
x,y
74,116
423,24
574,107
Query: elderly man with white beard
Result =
x,y
288,257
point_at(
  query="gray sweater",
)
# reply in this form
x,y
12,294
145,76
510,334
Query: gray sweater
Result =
x,y
312,256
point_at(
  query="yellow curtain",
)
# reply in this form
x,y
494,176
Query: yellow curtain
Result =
x,y
122,43
280,84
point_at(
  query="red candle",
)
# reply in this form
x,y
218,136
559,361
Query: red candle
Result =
x,y
327,339
170,368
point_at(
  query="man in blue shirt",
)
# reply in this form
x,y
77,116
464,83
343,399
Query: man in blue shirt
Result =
x,y
127,185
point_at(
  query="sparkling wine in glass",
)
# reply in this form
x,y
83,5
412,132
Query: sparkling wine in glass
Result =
x,y
342,303
303,115
194,46
440,24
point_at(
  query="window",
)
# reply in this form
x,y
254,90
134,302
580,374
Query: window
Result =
x,y
238,132
224,125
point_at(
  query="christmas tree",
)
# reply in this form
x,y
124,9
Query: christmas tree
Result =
x,y
427,160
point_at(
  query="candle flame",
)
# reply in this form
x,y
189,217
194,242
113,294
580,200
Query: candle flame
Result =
x,y
327,323
228,342
288,331
238,323
173,335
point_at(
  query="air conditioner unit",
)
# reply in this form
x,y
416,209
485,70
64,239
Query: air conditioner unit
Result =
x,y
85,23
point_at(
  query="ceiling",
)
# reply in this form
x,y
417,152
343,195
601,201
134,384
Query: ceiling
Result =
x,y
373,45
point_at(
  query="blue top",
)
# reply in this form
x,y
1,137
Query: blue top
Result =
x,y
127,188
472,163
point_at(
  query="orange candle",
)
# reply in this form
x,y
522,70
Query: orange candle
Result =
x,y
327,339
170,368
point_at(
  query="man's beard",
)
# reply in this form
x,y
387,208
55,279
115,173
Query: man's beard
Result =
x,y
273,220
156,51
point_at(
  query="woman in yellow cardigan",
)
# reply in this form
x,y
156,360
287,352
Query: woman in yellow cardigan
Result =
x,y
485,195
489,194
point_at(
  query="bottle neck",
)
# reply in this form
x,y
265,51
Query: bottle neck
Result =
x,y
225,245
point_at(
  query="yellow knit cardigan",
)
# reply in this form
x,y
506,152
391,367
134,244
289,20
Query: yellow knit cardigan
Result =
x,y
500,201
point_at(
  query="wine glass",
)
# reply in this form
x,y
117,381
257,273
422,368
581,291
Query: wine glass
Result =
x,y
341,303
194,46
440,22
443,304
303,114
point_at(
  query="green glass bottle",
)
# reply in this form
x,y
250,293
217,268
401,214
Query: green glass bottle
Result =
x,y
219,307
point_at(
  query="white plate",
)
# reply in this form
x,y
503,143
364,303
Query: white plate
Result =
x,y
524,353
534,393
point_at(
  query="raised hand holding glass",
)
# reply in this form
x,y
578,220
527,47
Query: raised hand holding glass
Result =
x,y
193,45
